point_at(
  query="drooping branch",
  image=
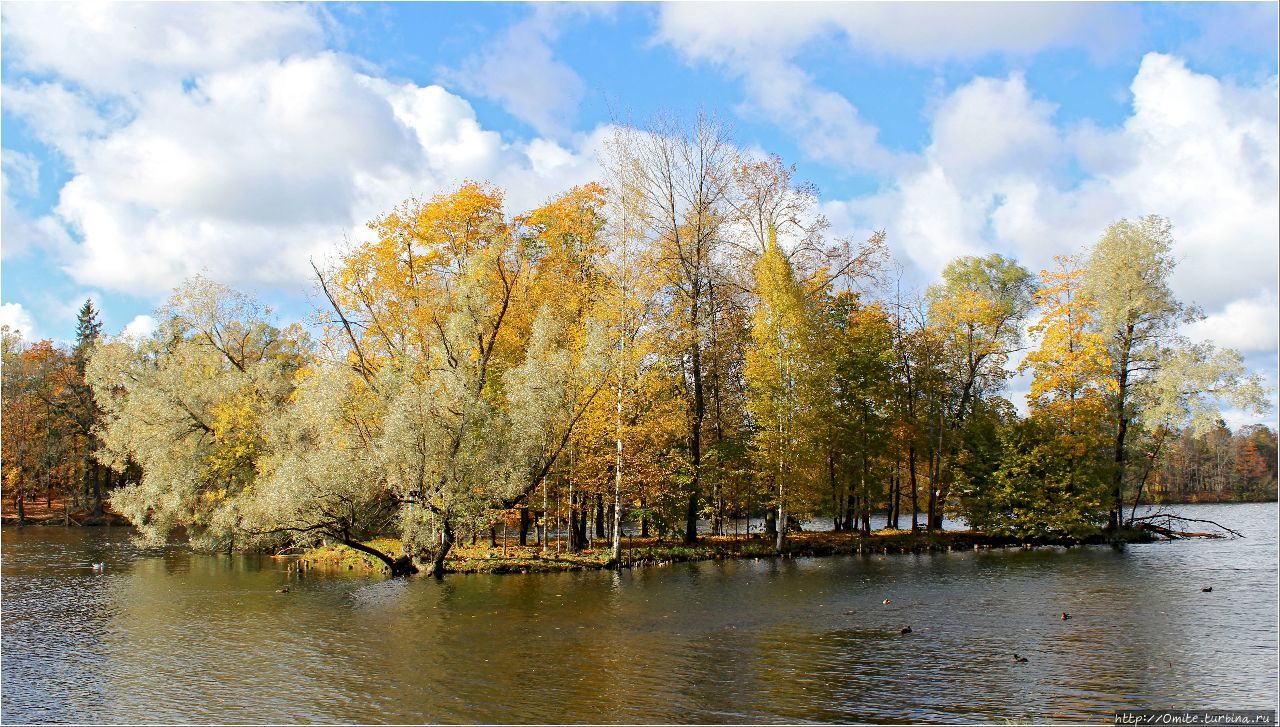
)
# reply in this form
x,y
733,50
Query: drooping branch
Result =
x,y
363,368
1168,518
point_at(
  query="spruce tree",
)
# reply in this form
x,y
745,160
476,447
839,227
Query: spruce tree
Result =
x,y
88,329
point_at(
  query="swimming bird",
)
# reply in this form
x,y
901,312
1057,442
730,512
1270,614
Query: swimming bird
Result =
x,y
887,602
1020,659
905,630
282,590
1207,589
1065,615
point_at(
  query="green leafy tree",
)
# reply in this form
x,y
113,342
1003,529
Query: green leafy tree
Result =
x,y
977,313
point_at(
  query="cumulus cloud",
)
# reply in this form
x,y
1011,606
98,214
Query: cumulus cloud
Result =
x,y
118,48
919,32
1247,325
759,45
1208,157
247,170
997,176
17,318
825,124
21,233
519,70
140,327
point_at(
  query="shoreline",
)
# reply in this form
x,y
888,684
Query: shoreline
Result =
x,y
641,552
80,519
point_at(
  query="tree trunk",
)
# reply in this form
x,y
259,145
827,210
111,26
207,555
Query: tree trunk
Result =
x,y
543,540
771,522
616,505
600,515
97,489
446,542
935,475
1122,429
837,525
695,439
781,533
895,492
575,529
617,530
398,567
915,489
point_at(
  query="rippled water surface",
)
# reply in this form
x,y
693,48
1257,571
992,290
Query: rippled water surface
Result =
x,y
173,637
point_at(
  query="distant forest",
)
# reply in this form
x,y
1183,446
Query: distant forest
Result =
x,y
1218,466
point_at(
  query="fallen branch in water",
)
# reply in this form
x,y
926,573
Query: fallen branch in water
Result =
x,y
1167,531
1175,534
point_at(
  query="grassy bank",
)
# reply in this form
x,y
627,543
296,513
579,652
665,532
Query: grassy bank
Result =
x,y
483,558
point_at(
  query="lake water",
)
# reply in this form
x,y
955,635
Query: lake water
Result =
x,y
167,636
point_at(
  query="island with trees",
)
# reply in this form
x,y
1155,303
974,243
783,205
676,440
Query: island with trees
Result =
x,y
681,344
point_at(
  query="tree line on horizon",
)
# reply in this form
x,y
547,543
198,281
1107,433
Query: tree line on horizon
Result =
x,y
680,343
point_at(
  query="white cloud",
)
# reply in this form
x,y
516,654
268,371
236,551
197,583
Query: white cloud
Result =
x,y
1208,157
760,44
1201,151
17,318
140,327
21,171
920,32
246,170
993,128
1248,325
61,117
519,70
117,48
1196,149
20,233
825,124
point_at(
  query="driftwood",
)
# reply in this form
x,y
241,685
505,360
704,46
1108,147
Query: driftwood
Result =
x,y
1166,528
1175,534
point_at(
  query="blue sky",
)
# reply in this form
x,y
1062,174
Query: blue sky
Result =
x,y
145,143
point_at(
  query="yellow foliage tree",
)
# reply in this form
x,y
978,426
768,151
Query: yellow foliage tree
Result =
x,y
774,370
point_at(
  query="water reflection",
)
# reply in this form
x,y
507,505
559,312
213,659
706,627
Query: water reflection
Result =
x,y
171,637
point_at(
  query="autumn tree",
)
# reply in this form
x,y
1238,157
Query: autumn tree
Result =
x,y
977,311
464,401
676,176
861,390
192,404
775,371
1158,379
1050,478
